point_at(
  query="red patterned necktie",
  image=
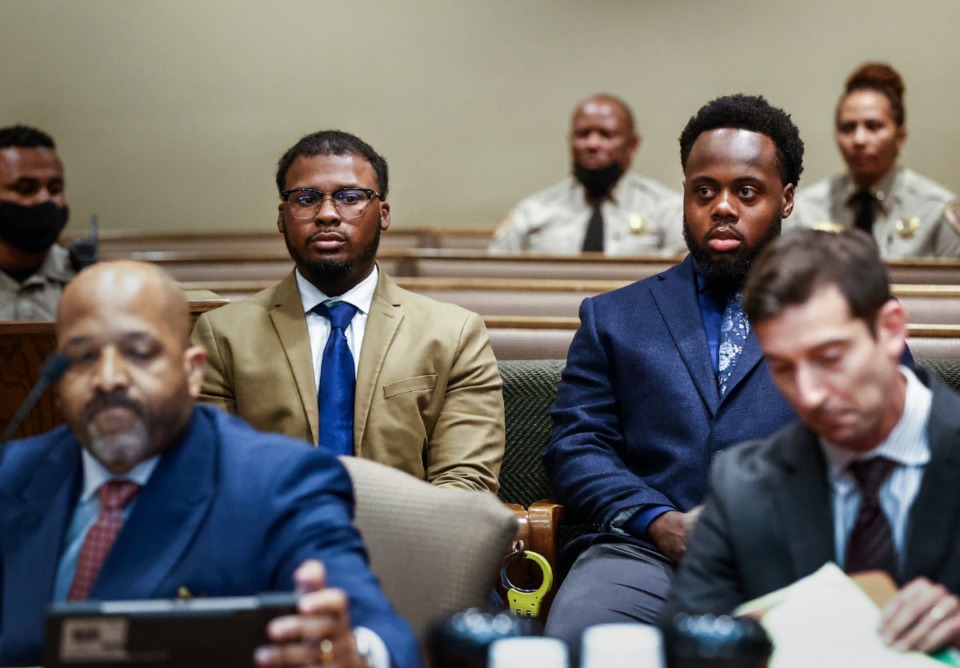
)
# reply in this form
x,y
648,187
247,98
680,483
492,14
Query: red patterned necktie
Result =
x,y
870,545
114,496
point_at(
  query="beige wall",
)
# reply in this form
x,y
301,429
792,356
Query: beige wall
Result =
x,y
171,114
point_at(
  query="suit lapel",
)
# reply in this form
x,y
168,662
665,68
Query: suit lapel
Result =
x,y
32,535
676,298
382,322
169,511
291,326
935,515
802,500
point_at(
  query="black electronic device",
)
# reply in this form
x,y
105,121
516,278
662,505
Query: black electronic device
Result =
x,y
199,632
85,252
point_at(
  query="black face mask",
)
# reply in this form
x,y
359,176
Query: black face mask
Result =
x,y
32,229
598,182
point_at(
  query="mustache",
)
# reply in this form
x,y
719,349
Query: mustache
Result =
x,y
724,231
326,233
115,399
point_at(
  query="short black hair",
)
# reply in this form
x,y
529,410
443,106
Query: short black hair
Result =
x,y
333,142
24,136
803,260
753,113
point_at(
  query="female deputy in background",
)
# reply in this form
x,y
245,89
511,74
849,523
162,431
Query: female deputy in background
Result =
x,y
909,215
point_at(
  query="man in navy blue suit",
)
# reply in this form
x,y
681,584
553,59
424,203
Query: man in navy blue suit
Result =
x,y
665,373
218,509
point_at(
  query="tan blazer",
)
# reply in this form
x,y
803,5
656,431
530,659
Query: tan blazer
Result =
x,y
428,398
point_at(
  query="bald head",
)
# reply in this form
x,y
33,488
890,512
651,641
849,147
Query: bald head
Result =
x,y
609,105
602,143
133,377
128,285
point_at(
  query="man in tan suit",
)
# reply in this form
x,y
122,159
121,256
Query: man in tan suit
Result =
x,y
427,398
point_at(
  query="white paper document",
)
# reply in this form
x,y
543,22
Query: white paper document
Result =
x,y
825,620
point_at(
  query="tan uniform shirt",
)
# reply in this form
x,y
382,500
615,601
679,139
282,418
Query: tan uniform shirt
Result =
x,y
914,217
37,297
641,217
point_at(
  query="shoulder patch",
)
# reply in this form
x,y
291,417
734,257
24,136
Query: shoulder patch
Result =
x,y
952,214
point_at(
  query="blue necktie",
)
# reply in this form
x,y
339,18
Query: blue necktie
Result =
x,y
338,380
734,330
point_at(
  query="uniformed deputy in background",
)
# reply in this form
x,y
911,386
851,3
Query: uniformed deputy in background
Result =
x,y
601,207
909,215
33,213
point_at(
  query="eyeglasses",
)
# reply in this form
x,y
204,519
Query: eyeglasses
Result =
x,y
350,203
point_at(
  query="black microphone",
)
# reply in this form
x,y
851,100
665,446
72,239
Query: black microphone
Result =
x,y
85,252
50,373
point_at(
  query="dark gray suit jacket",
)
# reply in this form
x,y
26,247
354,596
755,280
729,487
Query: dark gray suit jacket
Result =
x,y
769,521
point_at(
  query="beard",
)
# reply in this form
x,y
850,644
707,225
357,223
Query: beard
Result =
x,y
331,272
597,182
118,444
728,271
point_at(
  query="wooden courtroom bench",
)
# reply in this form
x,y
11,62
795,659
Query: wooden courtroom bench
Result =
x,y
121,243
517,338
24,346
265,264
926,304
925,271
480,264
206,266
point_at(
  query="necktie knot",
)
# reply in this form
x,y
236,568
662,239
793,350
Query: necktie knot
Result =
x,y
870,474
339,313
116,494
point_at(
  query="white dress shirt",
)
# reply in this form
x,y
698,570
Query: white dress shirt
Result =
x,y
318,327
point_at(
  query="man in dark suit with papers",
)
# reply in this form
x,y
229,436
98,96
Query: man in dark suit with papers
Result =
x,y
868,475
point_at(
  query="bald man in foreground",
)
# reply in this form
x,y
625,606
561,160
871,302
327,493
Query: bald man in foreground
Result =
x,y
601,207
206,502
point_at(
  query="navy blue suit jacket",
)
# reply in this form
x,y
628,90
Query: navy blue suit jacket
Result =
x,y
228,511
638,416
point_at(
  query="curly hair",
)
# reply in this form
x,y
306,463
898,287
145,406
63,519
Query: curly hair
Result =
x,y
333,142
882,78
24,136
753,113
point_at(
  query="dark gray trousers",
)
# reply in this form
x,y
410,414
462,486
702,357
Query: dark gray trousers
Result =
x,y
609,583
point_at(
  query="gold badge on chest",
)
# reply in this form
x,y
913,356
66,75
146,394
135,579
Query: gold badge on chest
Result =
x,y
638,224
907,227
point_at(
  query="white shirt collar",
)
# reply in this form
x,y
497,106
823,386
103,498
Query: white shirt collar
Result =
x,y
95,474
907,442
360,295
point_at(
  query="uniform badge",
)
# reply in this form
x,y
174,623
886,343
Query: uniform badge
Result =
x,y
638,224
907,227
